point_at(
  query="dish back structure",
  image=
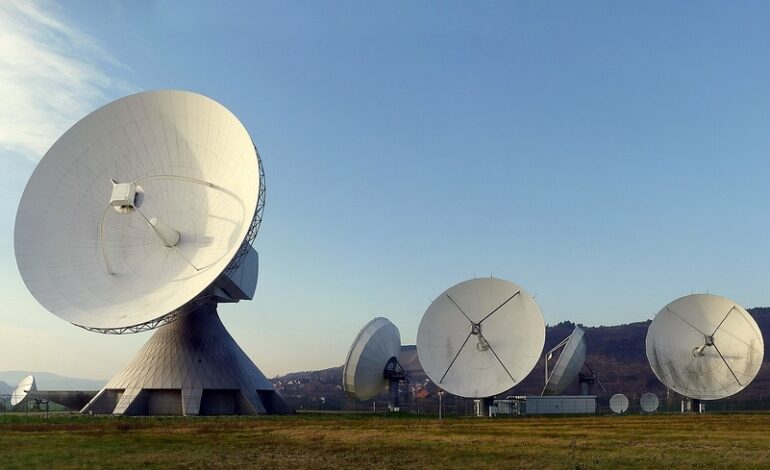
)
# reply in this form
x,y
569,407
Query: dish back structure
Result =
x,y
568,365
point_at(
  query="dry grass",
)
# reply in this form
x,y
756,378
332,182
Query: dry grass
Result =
x,y
354,441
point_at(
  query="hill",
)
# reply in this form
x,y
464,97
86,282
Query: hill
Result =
x,y
49,381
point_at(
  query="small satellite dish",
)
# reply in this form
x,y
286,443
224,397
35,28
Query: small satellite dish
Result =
x,y
26,385
649,402
704,347
569,363
372,362
619,403
142,215
480,337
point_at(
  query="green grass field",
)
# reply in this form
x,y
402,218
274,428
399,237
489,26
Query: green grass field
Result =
x,y
365,440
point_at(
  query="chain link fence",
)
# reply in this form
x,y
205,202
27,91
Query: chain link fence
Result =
x,y
36,411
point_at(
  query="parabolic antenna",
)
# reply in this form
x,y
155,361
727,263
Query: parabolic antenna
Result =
x,y
142,213
704,347
377,344
26,385
137,209
568,365
372,362
480,337
619,403
649,402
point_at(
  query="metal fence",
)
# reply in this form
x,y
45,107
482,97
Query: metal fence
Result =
x,y
449,406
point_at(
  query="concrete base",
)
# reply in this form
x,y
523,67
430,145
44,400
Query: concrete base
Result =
x,y
482,406
191,366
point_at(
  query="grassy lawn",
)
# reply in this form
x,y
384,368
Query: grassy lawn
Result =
x,y
364,440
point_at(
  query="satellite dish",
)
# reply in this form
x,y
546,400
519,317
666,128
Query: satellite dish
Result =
x,y
569,363
619,403
372,362
26,385
649,402
704,347
142,213
137,209
480,337
377,343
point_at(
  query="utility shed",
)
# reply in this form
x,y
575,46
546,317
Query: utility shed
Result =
x,y
566,404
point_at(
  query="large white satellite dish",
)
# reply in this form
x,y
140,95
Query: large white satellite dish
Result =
x,y
619,403
372,362
480,337
142,213
569,363
704,347
26,385
180,166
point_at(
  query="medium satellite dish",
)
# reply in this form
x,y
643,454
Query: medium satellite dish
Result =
x,y
372,362
569,363
649,402
619,403
26,385
480,337
142,213
704,347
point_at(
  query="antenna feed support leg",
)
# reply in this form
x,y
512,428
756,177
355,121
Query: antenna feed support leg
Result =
x,y
168,236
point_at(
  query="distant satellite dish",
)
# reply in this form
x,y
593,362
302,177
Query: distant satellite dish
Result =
x,y
569,363
619,403
649,402
376,347
480,337
26,385
144,212
704,347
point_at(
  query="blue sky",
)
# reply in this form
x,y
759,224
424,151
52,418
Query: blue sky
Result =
x,y
607,156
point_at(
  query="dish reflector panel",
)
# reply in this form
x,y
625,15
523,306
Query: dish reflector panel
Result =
x,y
85,244
376,343
619,403
569,363
26,385
704,347
649,402
480,337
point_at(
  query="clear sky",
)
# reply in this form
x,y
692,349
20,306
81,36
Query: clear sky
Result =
x,y
607,156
